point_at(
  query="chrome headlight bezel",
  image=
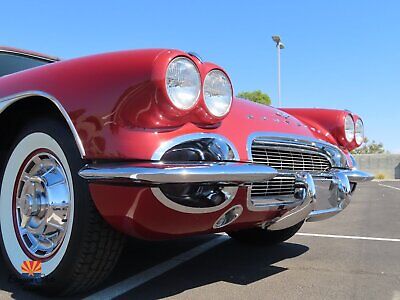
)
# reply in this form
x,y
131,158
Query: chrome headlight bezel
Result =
x,y
359,132
217,93
349,128
175,79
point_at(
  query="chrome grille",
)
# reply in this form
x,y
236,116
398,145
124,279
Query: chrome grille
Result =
x,y
285,156
275,187
293,159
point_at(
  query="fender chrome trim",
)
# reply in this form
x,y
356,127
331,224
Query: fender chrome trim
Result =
x,y
9,100
222,173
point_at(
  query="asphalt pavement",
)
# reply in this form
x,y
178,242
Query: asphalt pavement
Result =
x,y
355,255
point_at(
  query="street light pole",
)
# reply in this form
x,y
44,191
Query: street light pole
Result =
x,y
279,46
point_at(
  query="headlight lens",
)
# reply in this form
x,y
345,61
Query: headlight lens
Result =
x,y
349,128
217,92
359,132
183,83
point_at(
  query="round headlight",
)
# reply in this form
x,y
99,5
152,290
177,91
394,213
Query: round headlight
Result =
x,y
349,128
217,92
359,132
183,83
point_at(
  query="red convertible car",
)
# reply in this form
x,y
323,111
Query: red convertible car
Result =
x,y
153,144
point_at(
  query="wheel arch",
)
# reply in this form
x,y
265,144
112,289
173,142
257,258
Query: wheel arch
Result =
x,y
17,108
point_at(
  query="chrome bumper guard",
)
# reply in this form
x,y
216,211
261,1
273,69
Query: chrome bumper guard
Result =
x,y
334,191
327,195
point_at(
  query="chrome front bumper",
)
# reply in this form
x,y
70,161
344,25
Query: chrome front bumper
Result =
x,y
317,196
224,173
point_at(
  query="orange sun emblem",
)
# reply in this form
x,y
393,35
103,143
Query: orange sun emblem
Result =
x,y
31,267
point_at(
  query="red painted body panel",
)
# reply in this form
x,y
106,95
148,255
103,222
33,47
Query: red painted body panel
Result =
x,y
330,123
119,107
140,214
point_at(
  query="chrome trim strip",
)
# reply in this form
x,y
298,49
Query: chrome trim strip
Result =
x,y
160,173
230,192
165,146
354,176
9,100
323,214
358,176
299,141
21,53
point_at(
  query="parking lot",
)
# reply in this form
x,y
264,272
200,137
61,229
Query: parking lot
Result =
x,y
355,255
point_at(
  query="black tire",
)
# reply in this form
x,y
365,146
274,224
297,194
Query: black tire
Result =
x,y
93,247
259,236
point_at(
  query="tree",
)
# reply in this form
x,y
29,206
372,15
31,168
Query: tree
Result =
x,y
370,148
256,96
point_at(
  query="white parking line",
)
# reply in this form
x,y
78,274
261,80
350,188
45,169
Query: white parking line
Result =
x,y
348,237
396,295
389,186
132,282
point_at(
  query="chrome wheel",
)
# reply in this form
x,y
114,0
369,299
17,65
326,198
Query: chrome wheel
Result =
x,y
42,202
47,214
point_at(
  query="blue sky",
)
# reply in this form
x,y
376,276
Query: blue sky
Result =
x,y
339,54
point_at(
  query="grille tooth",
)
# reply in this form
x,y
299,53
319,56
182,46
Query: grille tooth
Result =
x,y
285,157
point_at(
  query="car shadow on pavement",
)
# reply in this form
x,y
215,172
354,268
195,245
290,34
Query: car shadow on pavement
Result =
x,y
229,262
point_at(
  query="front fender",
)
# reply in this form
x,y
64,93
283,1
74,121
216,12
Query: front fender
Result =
x,y
114,105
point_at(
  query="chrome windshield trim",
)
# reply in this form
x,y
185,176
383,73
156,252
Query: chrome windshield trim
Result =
x,y
9,100
159,173
165,146
31,55
332,152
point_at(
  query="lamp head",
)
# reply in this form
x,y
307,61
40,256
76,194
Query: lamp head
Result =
x,y
276,38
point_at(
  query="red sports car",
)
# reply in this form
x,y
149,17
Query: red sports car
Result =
x,y
153,144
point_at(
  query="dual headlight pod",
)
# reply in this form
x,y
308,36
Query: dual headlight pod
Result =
x,y
183,84
353,130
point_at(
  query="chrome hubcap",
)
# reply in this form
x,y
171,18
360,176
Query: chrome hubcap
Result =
x,y
42,205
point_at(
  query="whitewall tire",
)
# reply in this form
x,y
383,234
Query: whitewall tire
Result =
x,y
47,215
12,247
